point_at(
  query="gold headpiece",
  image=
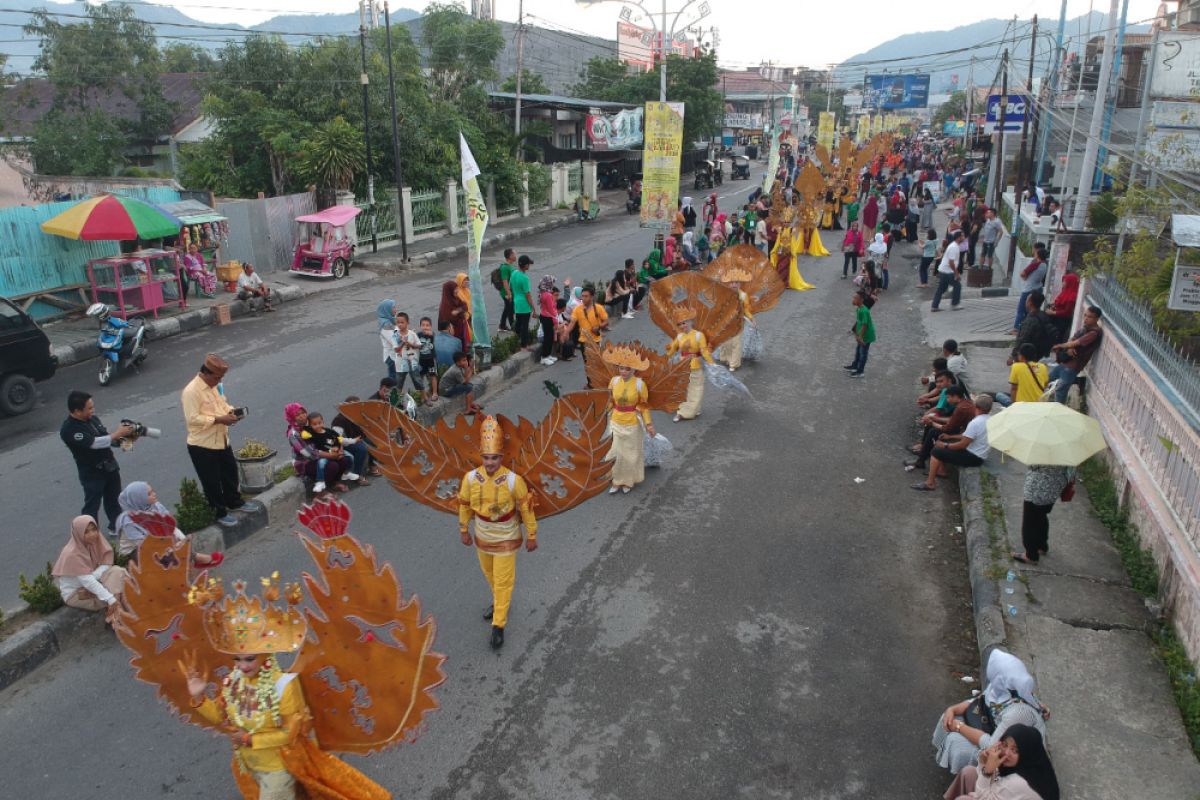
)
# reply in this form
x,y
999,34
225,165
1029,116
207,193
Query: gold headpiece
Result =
x,y
622,356
787,215
491,438
241,625
683,314
735,276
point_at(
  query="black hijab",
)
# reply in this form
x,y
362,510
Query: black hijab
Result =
x,y
1033,764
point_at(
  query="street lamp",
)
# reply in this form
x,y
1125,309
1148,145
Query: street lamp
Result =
x,y
661,29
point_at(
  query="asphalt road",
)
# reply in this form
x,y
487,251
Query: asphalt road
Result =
x,y
750,622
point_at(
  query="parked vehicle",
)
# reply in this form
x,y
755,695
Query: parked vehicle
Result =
x,y
633,203
741,168
25,357
121,342
323,249
708,174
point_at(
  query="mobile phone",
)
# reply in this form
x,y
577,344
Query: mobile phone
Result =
x,y
241,412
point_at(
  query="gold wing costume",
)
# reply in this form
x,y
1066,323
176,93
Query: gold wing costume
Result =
x,y
718,309
666,383
764,287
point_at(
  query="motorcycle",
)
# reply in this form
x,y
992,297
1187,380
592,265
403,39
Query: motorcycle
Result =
x,y
119,341
633,204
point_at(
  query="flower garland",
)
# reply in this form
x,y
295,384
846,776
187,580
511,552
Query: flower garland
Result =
x,y
234,687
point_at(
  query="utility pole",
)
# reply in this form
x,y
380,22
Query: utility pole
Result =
x,y
662,52
1056,67
1084,193
967,137
1012,247
1143,123
998,150
520,69
387,24
364,80
1118,52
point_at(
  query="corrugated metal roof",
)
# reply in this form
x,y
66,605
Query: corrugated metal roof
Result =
x,y
560,100
1185,230
193,212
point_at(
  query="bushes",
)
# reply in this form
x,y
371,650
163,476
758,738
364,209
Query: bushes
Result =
x,y
503,348
192,512
41,593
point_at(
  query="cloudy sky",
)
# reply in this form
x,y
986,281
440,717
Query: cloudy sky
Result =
x,y
808,32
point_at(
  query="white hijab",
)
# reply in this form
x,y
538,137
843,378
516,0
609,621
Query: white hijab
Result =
x,y
877,247
1007,674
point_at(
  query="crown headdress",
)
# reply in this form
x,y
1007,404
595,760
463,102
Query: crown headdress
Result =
x,y
491,438
240,625
622,356
683,313
735,275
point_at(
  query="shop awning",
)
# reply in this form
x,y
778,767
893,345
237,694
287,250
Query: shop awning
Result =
x,y
193,212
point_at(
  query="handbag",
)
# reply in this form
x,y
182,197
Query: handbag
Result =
x,y
1068,492
979,716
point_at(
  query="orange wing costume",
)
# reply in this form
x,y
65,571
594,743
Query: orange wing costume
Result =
x,y
718,308
764,287
666,383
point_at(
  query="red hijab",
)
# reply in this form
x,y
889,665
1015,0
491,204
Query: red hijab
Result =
x,y
1064,304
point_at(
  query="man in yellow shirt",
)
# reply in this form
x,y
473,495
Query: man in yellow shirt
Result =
x,y
208,416
500,502
1028,377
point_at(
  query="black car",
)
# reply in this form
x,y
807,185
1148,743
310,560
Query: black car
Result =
x,y
25,357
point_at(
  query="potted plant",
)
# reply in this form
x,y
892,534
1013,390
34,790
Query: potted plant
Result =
x,y
254,466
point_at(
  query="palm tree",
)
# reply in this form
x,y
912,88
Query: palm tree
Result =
x,y
333,154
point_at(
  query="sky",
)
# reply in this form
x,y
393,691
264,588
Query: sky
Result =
x,y
813,33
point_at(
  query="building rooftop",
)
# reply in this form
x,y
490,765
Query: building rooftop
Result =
x,y
560,101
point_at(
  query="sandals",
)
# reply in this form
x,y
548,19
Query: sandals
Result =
x,y
1024,559
921,487
363,482
341,487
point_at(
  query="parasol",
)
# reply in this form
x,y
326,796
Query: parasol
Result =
x,y
111,217
1045,433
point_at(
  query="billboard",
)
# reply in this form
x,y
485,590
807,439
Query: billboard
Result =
x,y
890,92
618,131
660,164
827,123
1177,65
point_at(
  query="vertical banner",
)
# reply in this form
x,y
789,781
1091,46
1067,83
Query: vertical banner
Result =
x,y
876,124
477,221
825,129
772,162
660,164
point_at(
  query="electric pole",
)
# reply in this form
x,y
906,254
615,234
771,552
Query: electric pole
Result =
x,y
520,69
1012,248
387,24
364,80
967,136
662,52
998,192
1083,194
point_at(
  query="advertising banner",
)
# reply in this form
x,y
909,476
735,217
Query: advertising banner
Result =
x,y
890,92
1177,65
660,164
1014,113
826,124
477,221
619,131
876,124
772,162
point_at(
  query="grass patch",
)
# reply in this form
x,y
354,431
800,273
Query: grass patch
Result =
x,y
993,515
288,470
1183,680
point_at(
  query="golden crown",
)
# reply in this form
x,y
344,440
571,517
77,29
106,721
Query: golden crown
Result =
x,y
622,356
735,276
240,625
683,313
491,438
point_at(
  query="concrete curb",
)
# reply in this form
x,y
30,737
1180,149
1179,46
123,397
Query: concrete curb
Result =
x,y
985,591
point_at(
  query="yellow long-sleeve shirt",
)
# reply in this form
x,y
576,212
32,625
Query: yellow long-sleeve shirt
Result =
x,y
629,399
263,754
691,345
202,404
500,504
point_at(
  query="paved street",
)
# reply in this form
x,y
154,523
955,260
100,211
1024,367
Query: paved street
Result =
x,y
751,622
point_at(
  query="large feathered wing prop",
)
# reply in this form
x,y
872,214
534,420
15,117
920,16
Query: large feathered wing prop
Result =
x,y
718,308
563,462
764,289
666,382
160,626
367,667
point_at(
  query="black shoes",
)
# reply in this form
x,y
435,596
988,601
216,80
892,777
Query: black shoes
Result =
x,y
487,614
497,638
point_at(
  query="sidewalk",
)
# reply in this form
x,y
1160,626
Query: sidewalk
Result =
x,y
1115,730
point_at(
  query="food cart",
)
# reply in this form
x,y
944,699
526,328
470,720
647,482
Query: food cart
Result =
x,y
204,227
137,283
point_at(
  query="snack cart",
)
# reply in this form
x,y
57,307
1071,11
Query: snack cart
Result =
x,y
205,227
136,283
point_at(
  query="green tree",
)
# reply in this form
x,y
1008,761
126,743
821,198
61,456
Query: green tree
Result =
x,y
333,154
952,109
183,57
531,83
461,50
71,142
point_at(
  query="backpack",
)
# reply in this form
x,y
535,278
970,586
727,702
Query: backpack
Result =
x,y
497,281
689,217
1045,336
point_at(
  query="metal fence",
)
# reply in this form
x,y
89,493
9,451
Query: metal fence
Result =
x,y
428,210
461,204
574,178
380,219
282,230
1174,374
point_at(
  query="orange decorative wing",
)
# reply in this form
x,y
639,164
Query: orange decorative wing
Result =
x,y
367,668
160,626
563,461
822,153
765,288
666,383
719,310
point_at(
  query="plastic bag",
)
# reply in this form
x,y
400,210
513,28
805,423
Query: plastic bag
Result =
x,y
655,448
722,378
752,343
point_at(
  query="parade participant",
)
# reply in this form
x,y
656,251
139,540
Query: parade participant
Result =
x,y
628,412
499,502
589,318
690,344
787,247
731,351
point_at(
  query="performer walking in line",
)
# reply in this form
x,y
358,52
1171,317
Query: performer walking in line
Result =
x,y
630,409
731,351
499,501
690,344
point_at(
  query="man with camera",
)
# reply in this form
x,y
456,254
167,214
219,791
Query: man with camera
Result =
x,y
208,416
91,445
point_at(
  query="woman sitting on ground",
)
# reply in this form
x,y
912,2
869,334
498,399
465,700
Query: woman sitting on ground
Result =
x,y
307,456
1014,768
139,496
619,295
84,571
1010,700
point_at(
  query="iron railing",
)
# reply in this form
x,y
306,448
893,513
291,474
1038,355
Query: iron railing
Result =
x,y
428,210
461,205
574,178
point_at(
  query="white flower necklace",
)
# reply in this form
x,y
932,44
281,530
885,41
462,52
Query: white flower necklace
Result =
x,y
234,691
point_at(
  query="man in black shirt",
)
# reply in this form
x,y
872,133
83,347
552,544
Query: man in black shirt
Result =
x,y
91,446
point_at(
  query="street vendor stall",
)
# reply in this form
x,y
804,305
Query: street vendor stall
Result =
x,y
136,283
202,226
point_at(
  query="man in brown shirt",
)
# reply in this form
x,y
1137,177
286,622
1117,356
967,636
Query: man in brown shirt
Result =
x,y
962,412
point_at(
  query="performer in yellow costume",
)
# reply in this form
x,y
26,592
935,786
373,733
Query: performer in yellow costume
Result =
x,y
787,247
499,501
690,344
731,351
810,239
629,411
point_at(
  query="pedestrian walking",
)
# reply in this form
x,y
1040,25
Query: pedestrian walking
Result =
x,y
990,234
928,256
852,248
1043,486
864,335
949,273
208,415
91,446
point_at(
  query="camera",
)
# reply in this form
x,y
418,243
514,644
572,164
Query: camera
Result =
x,y
240,412
139,430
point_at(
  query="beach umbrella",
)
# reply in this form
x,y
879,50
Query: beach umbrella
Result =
x,y
111,217
1045,433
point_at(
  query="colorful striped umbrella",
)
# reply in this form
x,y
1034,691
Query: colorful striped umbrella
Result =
x,y
111,217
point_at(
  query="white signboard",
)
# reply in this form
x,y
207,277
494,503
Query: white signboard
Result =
x,y
1167,114
1177,67
738,120
1173,150
1185,289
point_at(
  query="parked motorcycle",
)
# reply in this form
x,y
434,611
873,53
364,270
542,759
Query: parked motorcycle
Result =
x,y
633,204
120,341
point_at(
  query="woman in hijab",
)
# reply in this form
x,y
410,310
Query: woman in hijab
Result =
x,y
657,268
457,312
716,236
669,252
1062,310
386,314
139,496
306,455
689,251
710,209
575,299
1010,700
878,250
870,213
85,573
1015,768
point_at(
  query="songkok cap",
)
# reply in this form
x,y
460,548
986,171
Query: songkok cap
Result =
x,y
215,365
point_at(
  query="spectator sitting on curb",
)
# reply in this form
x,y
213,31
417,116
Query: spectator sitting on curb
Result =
x,y
939,364
936,396
1026,380
456,382
445,344
956,362
967,449
1016,767
962,411
84,571
1075,353
357,443
139,496
252,289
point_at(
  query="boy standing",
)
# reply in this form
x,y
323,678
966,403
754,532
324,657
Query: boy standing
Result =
x,y
864,335
408,349
427,361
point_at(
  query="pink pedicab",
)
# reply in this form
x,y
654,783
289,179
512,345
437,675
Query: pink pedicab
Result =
x,y
323,249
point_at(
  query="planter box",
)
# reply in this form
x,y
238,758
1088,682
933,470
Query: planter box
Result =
x,y
256,474
979,277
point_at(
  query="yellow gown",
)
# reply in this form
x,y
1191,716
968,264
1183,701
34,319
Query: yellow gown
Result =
x,y
629,413
815,246
694,346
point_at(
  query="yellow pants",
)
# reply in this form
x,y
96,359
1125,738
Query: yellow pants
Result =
x,y
275,785
731,351
501,574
